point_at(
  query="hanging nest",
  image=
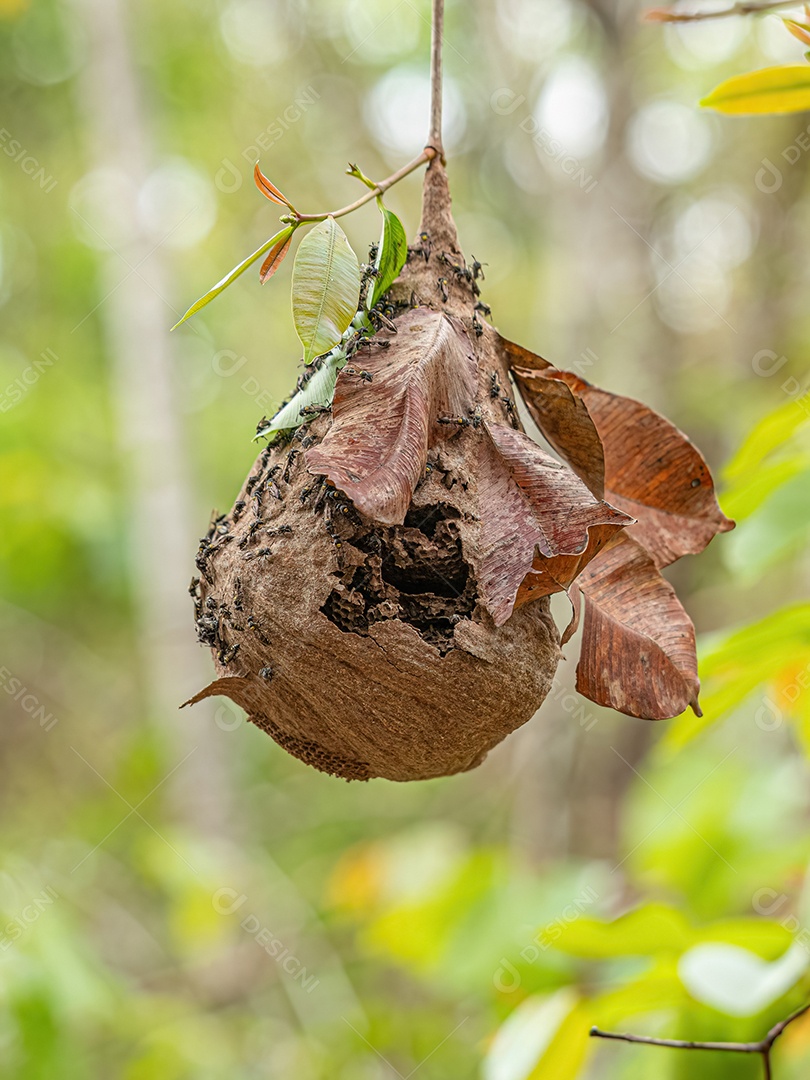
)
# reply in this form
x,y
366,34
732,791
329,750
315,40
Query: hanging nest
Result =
x,y
377,599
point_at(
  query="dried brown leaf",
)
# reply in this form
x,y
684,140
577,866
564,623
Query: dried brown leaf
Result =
x,y
564,420
540,525
377,446
651,469
638,643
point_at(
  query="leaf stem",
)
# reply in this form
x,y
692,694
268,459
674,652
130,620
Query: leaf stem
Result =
x,y
742,7
763,1047
427,155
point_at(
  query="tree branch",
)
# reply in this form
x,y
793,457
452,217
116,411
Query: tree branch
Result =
x,y
743,7
427,154
436,36
763,1047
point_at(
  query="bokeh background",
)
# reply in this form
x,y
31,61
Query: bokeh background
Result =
x,y
179,898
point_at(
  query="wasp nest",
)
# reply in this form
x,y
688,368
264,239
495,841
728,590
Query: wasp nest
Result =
x,y
377,600
364,647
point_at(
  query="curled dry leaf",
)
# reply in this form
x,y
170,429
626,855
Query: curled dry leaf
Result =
x,y
651,469
377,447
540,525
638,643
566,424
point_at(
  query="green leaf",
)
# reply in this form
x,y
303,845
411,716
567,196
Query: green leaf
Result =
x,y
545,1038
318,391
779,529
740,663
767,91
645,931
738,982
391,255
280,238
325,288
768,435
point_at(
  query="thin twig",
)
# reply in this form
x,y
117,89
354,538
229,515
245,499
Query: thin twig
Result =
x,y
427,155
763,1047
434,147
743,7
436,37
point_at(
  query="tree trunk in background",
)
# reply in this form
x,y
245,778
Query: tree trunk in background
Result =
x,y
135,320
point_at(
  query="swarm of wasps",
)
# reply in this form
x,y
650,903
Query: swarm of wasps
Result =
x,y
464,275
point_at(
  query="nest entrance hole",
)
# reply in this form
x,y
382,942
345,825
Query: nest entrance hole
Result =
x,y
414,572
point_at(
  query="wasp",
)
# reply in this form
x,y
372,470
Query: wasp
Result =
x,y
253,528
425,246
460,421
380,316
257,630
257,500
384,344
237,594
194,593
238,507
462,273
442,286
494,385
293,454
478,268
225,657
208,629
262,553
485,308
477,325
274,490
333,535
314,410
322,490
365,376
511,411
266,673
201,560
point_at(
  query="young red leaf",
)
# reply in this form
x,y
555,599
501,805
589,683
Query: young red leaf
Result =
x,y
540,525
269,190
376,448
274,258
638,643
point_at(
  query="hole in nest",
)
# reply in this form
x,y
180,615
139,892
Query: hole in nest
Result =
x,y
415,573
426,518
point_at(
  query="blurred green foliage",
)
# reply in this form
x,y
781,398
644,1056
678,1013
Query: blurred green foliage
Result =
x,y
255,918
